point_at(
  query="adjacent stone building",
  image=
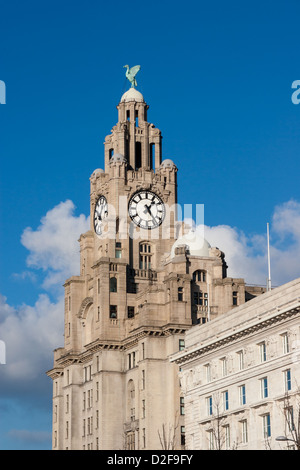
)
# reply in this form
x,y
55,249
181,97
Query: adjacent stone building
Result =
x,y
143,283
240,375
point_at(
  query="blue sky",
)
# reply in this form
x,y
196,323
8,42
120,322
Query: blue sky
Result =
x,y
217,77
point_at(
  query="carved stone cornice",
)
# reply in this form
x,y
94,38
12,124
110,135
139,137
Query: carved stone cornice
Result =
x,y
255,327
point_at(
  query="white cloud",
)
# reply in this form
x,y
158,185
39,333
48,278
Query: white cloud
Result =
x,y
246,255
53,246
30,334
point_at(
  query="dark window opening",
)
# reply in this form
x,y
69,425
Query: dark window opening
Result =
x,y
234,298
130,312
136,119
180,294
152,156
111,152
113,311
138,155
113,284
128,115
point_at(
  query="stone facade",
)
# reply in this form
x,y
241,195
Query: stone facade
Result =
x,y
138,291
240,378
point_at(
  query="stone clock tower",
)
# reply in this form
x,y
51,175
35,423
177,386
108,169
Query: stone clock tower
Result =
x,y
140,288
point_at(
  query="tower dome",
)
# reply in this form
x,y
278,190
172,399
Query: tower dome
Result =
x,y
132,95
195,243
168,163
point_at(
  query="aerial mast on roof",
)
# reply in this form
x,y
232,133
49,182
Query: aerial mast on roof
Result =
x,y
269,284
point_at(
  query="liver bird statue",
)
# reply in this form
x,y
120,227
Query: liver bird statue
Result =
x,y
131,73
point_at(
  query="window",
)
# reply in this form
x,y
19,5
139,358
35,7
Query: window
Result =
x,y
113,284
144,438
181,344
227,436
199,276
234,298
113,311
87,373
180,294
131,360
287,380
143,409
242,395
285,343
182,406
244,426
264,387
67,403
225,400
211,440
145,256
263,352
208,372
118,251
224,367
200,298
182,435
289,419
130,312
98,313
241,360
143,380
266,425
209,406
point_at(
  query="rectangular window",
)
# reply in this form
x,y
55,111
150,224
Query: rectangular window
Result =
x,y
143,409
287,380
180,294
182,406
143,380
266,426
113,311
224,366
144,438
209,407
208,372
242,394
118,250
285,343
241,361
264,387
130,312
225,400
289,419
234,298
263,352
182,435
244,426
227,436
181,344
211,440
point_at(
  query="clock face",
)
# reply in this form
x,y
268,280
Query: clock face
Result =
x,y
146,209
100,213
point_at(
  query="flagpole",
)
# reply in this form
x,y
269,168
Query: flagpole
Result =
x,y
269,284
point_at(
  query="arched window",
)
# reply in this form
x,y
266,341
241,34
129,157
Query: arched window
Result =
x,y
113,284
199,276
145,256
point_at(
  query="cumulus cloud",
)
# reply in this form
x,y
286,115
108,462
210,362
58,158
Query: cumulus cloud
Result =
x,y
53,246
31,332
246,255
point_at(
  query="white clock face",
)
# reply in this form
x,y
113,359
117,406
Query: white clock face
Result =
x,y
146,209
101,211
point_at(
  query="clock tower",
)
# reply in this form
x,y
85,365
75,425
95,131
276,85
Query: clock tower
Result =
x,y
142,284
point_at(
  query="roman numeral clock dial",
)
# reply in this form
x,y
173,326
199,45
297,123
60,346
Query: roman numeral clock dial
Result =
x,y
146,209
101,211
